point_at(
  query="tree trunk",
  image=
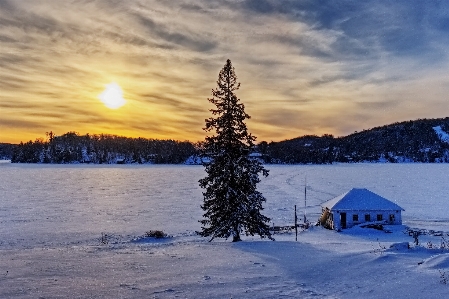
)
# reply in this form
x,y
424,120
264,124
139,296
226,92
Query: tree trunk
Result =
x,y
236,234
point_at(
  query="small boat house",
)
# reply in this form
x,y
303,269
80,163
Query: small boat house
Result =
x,y
359,206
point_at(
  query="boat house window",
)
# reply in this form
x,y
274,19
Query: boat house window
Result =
x,y
367,217
355,217
379,217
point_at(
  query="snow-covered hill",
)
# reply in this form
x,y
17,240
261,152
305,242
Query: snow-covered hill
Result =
x,y
444,137
423,140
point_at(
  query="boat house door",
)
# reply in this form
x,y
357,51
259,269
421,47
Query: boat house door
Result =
x,y
343,220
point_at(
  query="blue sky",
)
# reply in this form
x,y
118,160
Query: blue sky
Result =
x,y
305,67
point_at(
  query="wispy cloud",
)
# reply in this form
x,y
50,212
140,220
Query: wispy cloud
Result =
x,y
306,67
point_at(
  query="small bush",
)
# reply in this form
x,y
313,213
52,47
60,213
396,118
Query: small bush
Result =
x,y
104,239
381,248
443,277
158,234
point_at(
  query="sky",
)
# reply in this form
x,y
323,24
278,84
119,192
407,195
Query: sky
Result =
x,y
305,67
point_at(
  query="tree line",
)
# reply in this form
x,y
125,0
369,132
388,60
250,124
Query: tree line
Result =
x,y
409,141
101,149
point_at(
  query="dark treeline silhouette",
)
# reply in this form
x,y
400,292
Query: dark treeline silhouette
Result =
x,y
6,150
410,141
101,149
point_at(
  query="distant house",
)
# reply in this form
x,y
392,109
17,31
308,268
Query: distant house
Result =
x,y
359,206
257,156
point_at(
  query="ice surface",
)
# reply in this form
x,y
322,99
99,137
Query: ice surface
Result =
x,y
52,218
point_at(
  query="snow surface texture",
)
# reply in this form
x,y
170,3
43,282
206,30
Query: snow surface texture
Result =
x,y
73,231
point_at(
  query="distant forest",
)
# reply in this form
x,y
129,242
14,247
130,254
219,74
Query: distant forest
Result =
x,y
101,149
423,140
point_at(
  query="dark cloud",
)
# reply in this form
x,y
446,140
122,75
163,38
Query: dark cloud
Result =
x,y
172,102
282,117
189,40
6,39
399,27
370,106
14,104
22,124
260,6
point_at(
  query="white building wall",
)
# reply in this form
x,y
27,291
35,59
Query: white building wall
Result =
x,y
398,218
373,215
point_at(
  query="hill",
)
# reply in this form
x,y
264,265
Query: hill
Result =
x,y
422,140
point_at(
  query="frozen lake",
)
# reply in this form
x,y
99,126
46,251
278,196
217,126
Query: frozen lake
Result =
x,y
45,204
52,218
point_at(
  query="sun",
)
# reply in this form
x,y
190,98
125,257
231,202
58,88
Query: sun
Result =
x,y
112,96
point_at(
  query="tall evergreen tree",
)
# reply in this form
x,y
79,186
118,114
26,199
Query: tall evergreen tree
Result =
x,y
232,204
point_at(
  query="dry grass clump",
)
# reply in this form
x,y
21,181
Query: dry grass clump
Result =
x,y
158,234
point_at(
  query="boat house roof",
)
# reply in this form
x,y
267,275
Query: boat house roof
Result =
x,y
360,199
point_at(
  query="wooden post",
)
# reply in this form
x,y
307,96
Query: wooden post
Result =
x,y
305,200
296,225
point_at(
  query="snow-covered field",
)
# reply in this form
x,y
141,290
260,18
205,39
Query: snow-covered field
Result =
x,y
52,218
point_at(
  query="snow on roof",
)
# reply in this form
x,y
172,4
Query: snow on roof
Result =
x,y
360,199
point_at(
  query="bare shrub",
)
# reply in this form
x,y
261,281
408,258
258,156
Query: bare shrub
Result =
x,y
444,244
443,277
158,234
104,239
379,250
